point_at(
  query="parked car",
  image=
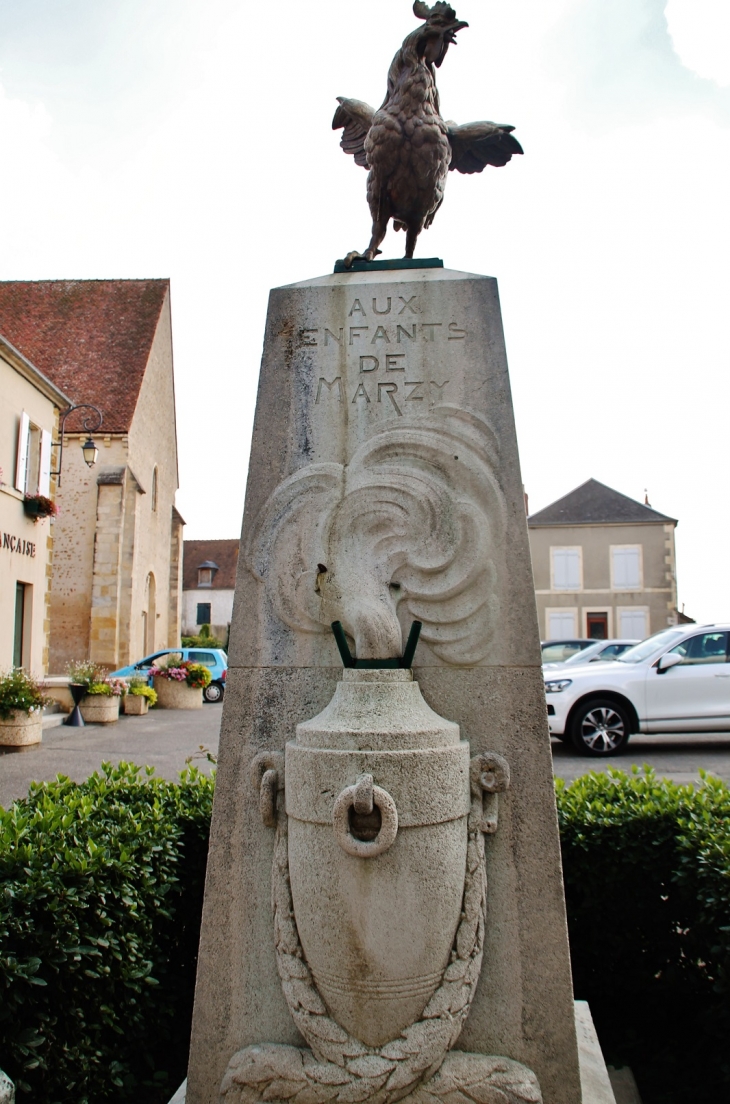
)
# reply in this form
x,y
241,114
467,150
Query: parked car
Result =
x,y
557,651
213,658
677,680
598,651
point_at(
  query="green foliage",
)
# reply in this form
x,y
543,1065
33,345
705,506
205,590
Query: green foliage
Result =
x,y
20,691
100,899
140,688
102,689
647,881
204,639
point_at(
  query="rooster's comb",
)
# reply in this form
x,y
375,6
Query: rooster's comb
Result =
x,y
424,12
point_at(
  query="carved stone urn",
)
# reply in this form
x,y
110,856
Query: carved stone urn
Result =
x,y
379,904
377,798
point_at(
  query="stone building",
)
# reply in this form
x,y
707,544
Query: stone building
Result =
x,y
28,421
117,581
209,582
603,565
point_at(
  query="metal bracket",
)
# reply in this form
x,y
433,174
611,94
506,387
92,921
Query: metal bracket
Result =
x,y
397,662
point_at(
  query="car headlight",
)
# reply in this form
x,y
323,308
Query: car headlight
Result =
x,y
556,685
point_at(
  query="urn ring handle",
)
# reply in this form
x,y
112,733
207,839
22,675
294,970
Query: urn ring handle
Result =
x,y
363,796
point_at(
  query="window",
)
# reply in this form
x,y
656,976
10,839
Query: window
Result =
x,y
566,568
632,623
626,567
203,617
560,624
206,658
33,468
705,648
206,573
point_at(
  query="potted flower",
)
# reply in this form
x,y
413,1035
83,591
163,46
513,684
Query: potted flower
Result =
x,y
180,684
100,703
140,696
37,506
21,709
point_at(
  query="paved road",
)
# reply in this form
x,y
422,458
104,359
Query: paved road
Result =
x,y
162,739
677,757
165,738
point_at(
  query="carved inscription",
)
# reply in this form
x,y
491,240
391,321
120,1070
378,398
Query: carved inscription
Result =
x,y
374,330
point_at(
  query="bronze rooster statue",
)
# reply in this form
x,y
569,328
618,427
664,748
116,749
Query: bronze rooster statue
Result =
x,y
407,146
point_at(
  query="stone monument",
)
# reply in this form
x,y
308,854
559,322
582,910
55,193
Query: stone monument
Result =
x,y
384,915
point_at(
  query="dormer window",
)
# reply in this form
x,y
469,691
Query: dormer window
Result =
x,y
206,573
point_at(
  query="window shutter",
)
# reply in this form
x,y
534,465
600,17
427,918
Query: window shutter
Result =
x,y
44,476
561,625
23,442
566,568
626,568
633,624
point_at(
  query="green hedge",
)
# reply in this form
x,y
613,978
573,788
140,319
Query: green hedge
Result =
x,y
100,896
647,882
100,911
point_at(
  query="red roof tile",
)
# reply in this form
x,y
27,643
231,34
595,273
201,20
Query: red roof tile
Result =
x,y
92,338
224,553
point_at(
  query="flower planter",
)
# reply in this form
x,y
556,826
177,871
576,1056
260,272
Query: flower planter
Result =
x,y
177,695
21,728
100,709
136,705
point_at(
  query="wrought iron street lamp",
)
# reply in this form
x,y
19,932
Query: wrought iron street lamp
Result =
x,y
91,424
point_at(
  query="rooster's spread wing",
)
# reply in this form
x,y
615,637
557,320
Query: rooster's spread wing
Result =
x,y
357,118
476,145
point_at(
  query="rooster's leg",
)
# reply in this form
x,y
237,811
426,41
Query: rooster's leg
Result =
x,y
411,239
380,229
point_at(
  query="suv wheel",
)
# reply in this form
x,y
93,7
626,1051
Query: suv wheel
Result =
x,y
600,727
213,692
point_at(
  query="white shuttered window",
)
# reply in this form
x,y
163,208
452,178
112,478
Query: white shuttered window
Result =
x,y
21,467
626,568
632,624
560,625
44,475
566,568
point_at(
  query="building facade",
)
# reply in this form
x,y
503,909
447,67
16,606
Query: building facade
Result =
x,y
603,566
209,583
116,590
28,425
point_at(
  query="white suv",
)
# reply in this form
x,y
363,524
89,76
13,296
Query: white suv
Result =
x,y
675,681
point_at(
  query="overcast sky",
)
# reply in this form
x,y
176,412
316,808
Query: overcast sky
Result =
x,y
191,139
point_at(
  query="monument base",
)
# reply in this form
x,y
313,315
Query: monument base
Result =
x,y
594,1079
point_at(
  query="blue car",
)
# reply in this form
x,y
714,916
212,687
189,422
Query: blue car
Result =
x,y
214,659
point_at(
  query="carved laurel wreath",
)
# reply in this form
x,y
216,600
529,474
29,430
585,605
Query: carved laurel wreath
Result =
x,y
339,1068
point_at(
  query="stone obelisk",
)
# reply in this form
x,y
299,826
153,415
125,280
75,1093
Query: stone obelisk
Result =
x,y
384,488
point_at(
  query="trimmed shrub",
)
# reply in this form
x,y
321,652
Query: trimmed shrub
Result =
x,y
647,881
101,890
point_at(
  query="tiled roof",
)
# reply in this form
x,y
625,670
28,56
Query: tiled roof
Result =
x,y
92,338
594,503
222,552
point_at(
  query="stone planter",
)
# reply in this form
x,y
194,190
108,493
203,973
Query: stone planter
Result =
x,y
177,695
21,728
100,709
135,705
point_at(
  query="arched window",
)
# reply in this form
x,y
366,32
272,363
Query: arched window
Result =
x,y
154,489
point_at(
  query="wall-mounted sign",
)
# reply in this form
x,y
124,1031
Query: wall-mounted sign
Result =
x,y
17,544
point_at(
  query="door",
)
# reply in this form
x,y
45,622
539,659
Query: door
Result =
x,y
597,625
694,695
18,641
